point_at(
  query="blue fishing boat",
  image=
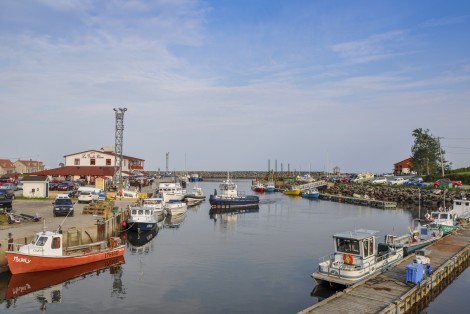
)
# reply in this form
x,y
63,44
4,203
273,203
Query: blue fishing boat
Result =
x,y
230,198
311,193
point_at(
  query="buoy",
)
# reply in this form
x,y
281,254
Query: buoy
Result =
x,y
124,224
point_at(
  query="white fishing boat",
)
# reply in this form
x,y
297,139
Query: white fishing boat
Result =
x,y
356,256
141,219
461,209
156,204
196,197
175,208
171,191
420,236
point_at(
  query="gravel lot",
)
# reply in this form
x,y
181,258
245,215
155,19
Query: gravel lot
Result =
x,y
43,208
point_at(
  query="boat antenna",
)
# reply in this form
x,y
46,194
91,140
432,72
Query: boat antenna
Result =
x,y
44,226
419,203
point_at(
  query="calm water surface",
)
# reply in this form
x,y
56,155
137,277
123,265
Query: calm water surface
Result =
x,y
255,262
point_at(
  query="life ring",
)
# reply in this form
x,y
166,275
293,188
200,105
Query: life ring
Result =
x,y
427,216
348,259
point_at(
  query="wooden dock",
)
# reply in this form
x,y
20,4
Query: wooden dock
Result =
x,y
358,201
388,292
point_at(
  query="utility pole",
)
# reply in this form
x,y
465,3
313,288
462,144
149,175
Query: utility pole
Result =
x,y
440,153
119,112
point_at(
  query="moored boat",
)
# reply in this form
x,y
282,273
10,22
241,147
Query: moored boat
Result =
x,y
46,252
171,191
156,204
258,187
442,219
420,236
229,197
295,191
194,198
176,208
270,187
311,193
141,219
356,256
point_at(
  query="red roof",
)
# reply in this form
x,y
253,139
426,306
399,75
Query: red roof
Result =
x,y
31,163
6,163
102,171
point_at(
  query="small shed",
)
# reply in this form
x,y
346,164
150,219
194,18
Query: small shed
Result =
x,y
36,186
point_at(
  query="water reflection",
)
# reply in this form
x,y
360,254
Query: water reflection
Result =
x,y
46,286
174,221
140,243
230,213
321,292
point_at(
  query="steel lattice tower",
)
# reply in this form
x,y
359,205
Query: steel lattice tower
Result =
x,y
118,145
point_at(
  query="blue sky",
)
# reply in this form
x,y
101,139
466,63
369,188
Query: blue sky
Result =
x,y
227,85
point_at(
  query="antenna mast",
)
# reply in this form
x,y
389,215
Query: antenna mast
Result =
x,y
118,145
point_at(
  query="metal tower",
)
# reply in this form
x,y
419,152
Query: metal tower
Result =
x,y
168,162
118,145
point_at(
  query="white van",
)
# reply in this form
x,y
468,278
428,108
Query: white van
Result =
x,y
89,189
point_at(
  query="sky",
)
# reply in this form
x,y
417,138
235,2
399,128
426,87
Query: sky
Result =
x,y
229,85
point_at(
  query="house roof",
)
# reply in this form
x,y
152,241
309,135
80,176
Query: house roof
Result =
x,y
103,171
6,163
31,163
105,153
34,179
408,160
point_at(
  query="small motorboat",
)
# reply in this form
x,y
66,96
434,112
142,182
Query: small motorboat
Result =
x,y
311,193
294,191
356,256
46,252
176,208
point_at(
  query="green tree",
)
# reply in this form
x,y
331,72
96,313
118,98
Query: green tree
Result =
x,y
425,155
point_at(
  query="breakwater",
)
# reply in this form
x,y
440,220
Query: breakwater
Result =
x,y
431,199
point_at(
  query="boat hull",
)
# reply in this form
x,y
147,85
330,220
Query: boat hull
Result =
x,y
22,284
311,196
292,192
25,263
141,226
234,202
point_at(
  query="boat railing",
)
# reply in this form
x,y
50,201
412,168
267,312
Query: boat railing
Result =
x,y
14,247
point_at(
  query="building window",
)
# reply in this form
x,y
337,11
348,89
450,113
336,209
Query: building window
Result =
x,y
108,162
76,162
92,161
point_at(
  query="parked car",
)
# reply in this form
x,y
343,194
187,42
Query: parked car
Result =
x,y
87,197
6,202
9,186
53,186
449,182
62,205
346,179
415,181
20,185
65,186
379,180
8,192
397,181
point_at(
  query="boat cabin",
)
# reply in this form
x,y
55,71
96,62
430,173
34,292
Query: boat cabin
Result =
x,y
155,203
461,208
44,243
355,247
442,218
228,188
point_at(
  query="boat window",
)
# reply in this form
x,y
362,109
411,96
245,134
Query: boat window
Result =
x,y
141,212
458,203
365,245
134,212
347,245
35,239
41,241
371,246
435,215
147,212
55,243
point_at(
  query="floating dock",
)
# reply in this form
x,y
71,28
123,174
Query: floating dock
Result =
x,y
358,201
388,292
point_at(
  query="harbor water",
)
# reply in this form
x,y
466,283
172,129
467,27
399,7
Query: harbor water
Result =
x,y
250,262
